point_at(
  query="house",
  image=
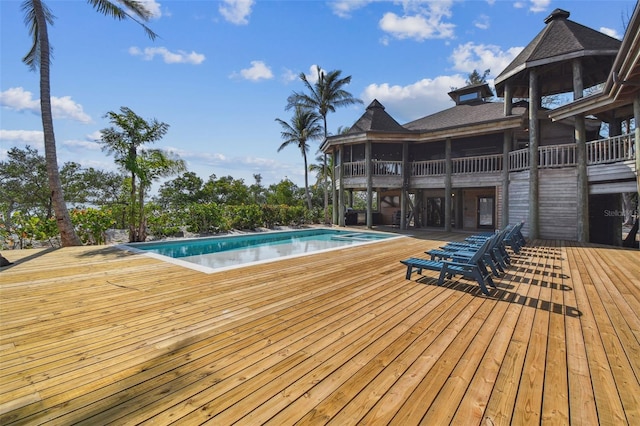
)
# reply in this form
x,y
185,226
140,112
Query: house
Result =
x,y
484,163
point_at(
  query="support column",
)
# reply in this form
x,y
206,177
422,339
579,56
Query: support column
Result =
x,y
534,105
334,200
506,148
581,154
447,185
339,184
367,160
406,175
636,114
508,99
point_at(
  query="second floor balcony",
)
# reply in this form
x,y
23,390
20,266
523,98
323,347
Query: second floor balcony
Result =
x,y
603,151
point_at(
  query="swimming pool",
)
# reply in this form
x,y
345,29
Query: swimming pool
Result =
x,y
218,253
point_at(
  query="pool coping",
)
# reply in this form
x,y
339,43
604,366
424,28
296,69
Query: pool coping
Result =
x,y
208,270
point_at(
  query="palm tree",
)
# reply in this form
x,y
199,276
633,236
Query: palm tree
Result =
x,y
323,171
37,18
123,144
304,126
151,165
325,95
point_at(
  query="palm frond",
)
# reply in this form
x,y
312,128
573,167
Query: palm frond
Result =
x,y
32,58
132,7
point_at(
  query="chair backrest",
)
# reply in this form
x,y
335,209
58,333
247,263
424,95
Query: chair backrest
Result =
x,y
482,250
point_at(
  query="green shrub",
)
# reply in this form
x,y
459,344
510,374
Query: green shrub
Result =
x,y
206,219
244,216
91,224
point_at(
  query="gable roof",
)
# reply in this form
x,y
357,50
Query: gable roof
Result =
x,y
375,118
561,40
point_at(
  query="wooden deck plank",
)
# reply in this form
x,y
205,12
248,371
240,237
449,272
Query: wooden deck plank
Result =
x,y
93,335
607,400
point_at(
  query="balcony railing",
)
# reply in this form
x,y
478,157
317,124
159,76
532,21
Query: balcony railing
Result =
x,y
614,149
428,168
386,168
480,164
617,148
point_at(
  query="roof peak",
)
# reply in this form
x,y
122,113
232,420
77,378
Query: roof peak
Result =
x,y
375,104
557,15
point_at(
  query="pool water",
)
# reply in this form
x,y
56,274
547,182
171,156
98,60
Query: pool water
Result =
x,y
226,252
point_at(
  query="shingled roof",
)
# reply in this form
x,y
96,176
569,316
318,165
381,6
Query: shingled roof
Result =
x,y
466,114
377,119
561,41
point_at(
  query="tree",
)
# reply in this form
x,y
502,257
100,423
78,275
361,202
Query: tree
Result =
x,y
23,184
123,141
37,18
325,95
475,77
226,190
151,165
303,127
181,191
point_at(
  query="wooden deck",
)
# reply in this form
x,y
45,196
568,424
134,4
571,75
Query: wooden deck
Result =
x,y
94,335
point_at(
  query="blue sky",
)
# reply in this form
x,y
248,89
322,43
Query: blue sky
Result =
x,y
221,71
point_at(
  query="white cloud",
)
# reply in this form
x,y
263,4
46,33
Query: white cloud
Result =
x,y
470,56
236,11
312,75
256,72
539,5
535,6
416,100
421,20
153,7
483,22
343,8
288,76
84,144
179,57
34,138
610,32
18,99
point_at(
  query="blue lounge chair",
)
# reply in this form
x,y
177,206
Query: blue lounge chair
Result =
x,y
464,253
497,252
473,268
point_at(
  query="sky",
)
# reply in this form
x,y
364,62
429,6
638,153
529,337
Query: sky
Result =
x,y
220,72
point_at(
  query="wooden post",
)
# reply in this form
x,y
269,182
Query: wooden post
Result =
x,y
339,183
367,158
447,186
506,148
636,115
581,154
534,105
508,101
405,185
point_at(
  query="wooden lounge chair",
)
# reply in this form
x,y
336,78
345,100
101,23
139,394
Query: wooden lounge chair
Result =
x,y
473,268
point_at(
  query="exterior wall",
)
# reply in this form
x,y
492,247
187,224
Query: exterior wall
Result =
x,y
519,199
470,206
558,200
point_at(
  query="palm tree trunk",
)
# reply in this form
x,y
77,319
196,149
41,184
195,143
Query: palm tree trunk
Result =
x,y
306,180
324,180
132,210
68,236
142,225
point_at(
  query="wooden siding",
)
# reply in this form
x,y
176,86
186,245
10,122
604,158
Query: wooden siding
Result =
x,y
519,199
93,335
558,203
